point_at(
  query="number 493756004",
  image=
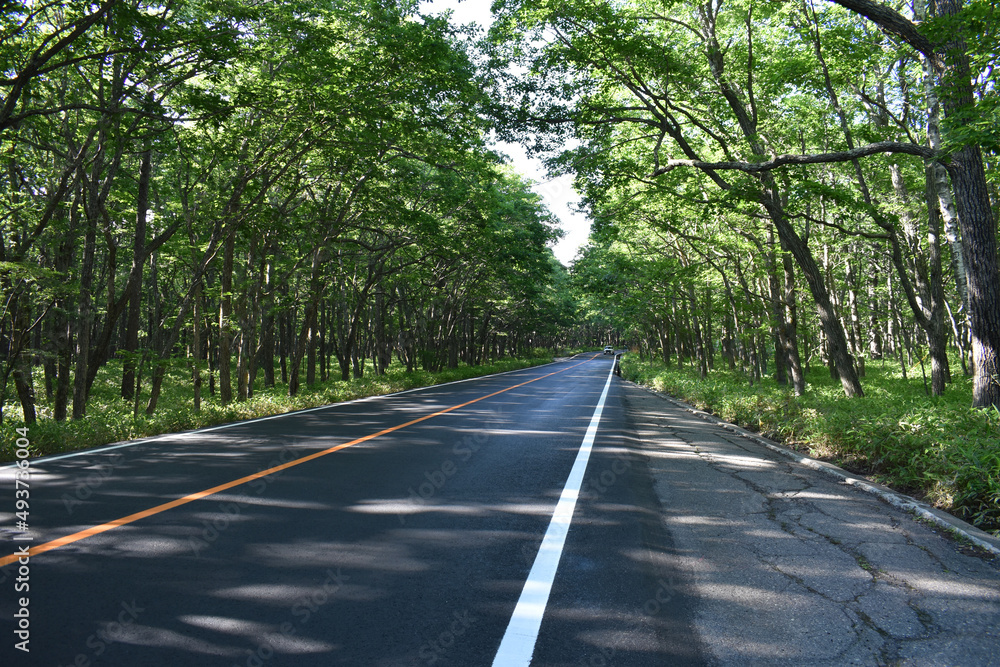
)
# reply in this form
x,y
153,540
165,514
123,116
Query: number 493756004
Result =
x,y
22,481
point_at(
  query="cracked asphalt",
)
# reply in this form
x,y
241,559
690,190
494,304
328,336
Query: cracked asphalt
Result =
x,y
788,566
401,530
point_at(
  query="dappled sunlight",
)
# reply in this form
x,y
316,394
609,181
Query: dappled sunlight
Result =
x,y
225,624
700,520
411,409
749,596
266,594
143,635
411,507
471,539
514,431
243,580
150,546
765,533
742,461
283,643
395,544
370,569
674,452
263,501
791,567
948,586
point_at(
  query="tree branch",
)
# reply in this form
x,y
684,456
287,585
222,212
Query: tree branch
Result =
x,y
40,58
820,158
892,23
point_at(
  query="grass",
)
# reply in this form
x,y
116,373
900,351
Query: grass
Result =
x,y
110,418
938,449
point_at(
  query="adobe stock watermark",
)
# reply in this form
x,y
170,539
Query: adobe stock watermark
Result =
x,y
435,479
231,510
435,649
22,515
667,588
22,617
596,484
301,612
559,189
111,633
600,482
86,486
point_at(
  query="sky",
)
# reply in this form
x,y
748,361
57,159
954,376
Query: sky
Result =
x,y
558,194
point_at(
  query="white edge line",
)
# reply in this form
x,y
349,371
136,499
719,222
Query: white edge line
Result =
x,y
518,643
208,429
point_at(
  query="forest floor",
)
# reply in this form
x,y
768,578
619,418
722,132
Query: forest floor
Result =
x,y
936,449
112,419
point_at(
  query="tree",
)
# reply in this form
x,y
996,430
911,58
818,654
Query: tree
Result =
x,y
949,56
629,82
620,78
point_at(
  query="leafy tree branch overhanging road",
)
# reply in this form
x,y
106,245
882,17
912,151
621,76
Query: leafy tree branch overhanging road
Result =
x,y
749,86
252,195
232,196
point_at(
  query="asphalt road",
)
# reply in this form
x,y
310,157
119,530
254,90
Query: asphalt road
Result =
x,y
403,530
409,548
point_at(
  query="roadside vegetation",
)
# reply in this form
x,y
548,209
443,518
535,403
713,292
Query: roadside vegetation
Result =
x,y
112,419
935,448
783,213
248,199
751,165
208,211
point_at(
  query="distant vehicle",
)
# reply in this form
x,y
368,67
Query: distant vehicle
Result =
x,y
608,349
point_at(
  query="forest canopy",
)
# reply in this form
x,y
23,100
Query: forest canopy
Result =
x,y
270,192
268,195
775,180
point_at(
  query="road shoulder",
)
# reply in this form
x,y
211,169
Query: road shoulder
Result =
x,y
794,566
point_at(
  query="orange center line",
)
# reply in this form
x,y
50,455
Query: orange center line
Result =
x,y
131,518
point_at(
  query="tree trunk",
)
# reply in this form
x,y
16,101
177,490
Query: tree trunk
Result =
x,y
978,227
299,351
267,326
836,341
134,285
942,188
663,338
62,328
196,345
225,358
383,354
84,319
64,359
937,336
855,335
789,332
778,323
968,178
699,342
979,244
245,366
25,386
311,355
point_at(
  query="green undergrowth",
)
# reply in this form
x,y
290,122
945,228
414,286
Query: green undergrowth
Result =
x,y
110,419
938,449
